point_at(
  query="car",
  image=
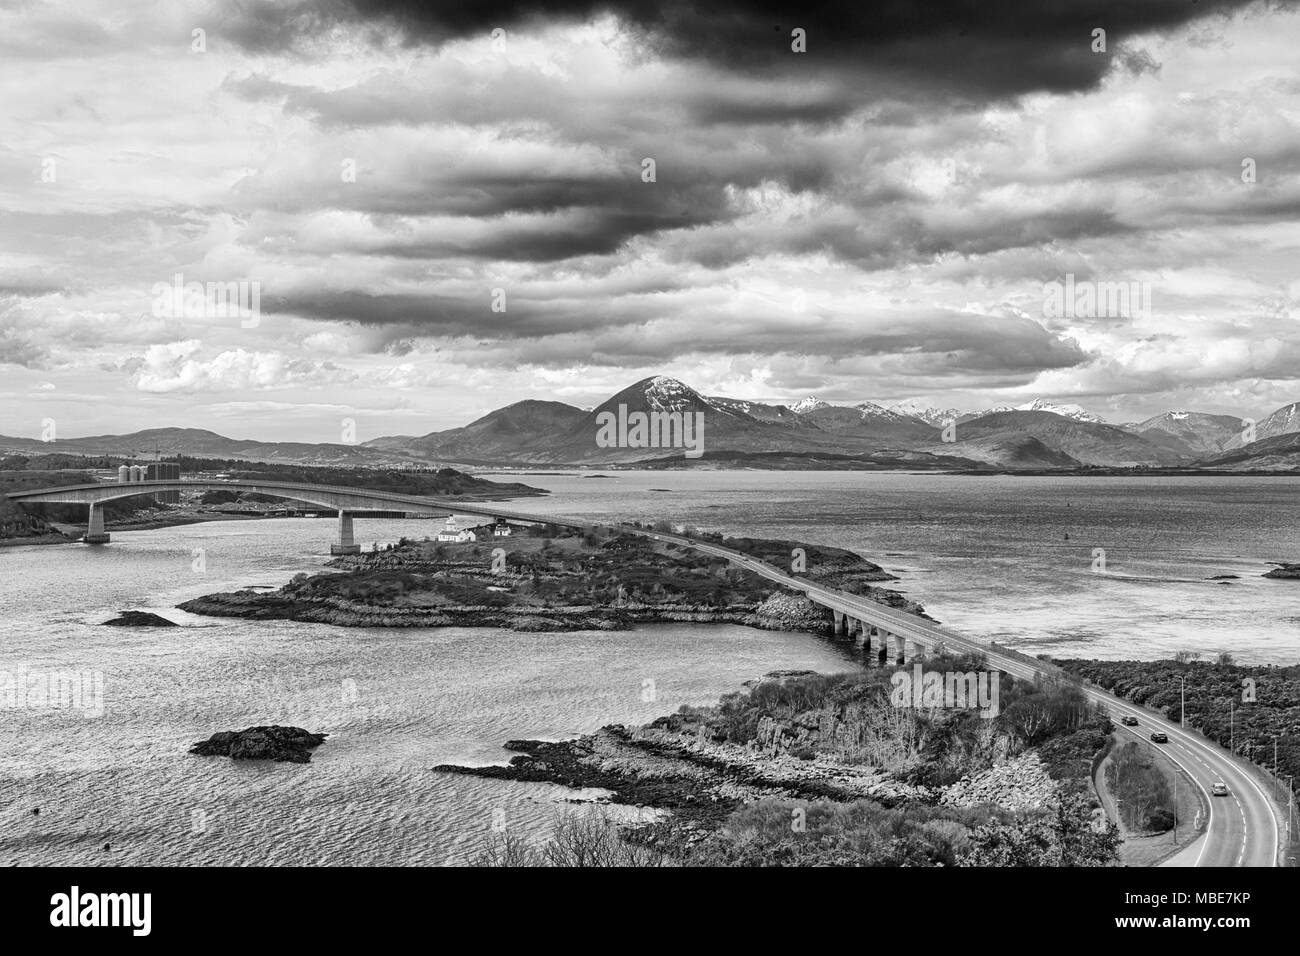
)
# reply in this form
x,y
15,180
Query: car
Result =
x,y
1128,721
1158,737
1220,789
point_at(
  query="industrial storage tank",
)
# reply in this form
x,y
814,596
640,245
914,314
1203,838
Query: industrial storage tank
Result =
x,y
123,474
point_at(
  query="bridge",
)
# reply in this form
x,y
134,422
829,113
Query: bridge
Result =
x,y
348,502
1242,830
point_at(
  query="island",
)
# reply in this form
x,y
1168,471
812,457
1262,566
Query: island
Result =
x,y
544,577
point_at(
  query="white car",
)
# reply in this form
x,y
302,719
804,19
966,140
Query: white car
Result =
x,y
1220,789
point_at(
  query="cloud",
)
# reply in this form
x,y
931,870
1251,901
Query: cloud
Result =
x,y
985,50
177,367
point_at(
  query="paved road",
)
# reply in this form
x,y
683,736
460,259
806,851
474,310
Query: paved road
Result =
x,y
1242,830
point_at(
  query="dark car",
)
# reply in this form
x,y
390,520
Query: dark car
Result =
x,y
1158,737
1128,721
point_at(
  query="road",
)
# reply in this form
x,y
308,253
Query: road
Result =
x,y
1243,829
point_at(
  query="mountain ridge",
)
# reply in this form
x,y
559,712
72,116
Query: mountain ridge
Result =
x,y
1036,435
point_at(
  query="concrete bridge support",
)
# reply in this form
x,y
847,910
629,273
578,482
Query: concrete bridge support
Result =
x,y
897,649
345,544
95,533
915,650
839,617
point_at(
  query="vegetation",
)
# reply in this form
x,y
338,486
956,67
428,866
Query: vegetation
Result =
x,y
545,565
782,832
576,839
1141,789
849,718
1248,708
930,746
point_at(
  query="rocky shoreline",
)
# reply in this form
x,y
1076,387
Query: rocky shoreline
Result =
x,y
679,764
781,611
1291,571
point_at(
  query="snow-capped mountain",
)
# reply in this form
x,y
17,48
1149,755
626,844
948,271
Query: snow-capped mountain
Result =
x,y
1195,434
1064,409
809,404
938,417
1284,421
664,394
869,410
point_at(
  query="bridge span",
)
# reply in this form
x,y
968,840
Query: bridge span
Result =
x,y
348,502
1243,829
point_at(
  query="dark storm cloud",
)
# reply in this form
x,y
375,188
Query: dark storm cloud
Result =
x,y
979,48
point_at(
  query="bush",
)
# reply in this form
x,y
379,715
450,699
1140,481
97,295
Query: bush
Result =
x,y
577,839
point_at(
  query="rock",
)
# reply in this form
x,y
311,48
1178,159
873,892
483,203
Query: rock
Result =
x,y
140,619
292,744
1284,571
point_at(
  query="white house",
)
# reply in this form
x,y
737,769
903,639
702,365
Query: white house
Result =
x,y
501,530
450,533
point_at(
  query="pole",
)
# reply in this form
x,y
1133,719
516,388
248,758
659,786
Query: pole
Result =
x,y
1290,804
1232,727
1182,701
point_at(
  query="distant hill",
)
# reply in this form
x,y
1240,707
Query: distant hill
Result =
x,y
197,441
1039,434
1191,434
1089,443
521,432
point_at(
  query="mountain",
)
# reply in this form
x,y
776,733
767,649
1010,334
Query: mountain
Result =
x,y
729,425
200,443
781,414
868,426
1010,451
1065,410
514,432
1279,453
1087,442
1040,435
934,417
971,416
1193,434
809,404
1284,421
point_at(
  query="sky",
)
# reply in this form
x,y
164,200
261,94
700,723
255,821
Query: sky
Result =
x,y
445,208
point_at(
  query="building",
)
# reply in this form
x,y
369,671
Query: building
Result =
x,y
501,530
457,536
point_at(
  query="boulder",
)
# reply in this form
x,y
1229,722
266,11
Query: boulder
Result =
x,y
140,619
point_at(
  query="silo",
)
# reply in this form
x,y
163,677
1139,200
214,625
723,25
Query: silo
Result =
x,y
123,474
137,473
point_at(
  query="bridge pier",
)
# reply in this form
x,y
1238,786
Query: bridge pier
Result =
x,y
840,621
95,533
345,544
897,649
